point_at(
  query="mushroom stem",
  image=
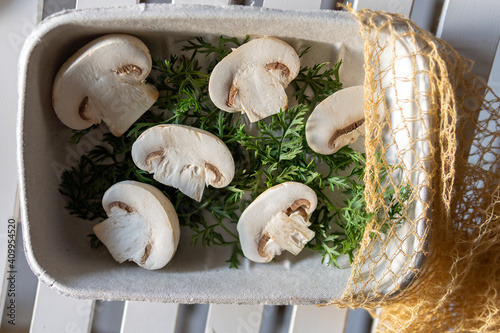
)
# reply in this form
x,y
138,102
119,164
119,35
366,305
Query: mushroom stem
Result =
x,y
290,233
280,71
124,236
190,178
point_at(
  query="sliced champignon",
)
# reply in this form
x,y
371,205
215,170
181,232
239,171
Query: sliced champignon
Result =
x,y
104,81
277,220
252,79
184,157
337,121
142,225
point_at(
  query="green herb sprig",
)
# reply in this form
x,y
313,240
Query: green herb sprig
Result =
x,y
314,84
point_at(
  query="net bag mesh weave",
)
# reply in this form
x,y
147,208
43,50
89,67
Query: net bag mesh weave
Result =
x,y
432,137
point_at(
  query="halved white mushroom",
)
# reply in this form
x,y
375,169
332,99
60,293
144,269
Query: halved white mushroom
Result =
x,y
142,225
252,79
184,157
104,81
277,220
337,121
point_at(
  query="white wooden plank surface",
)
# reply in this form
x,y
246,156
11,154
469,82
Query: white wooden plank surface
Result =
x,y
393,6
292,4
224,318
425,13
308,318
472,28
104,3
57,313
149,317
304,319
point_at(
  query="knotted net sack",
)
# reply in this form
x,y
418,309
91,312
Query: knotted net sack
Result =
x,y
432,137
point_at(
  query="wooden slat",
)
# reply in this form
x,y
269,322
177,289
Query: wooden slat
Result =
x,y
308,318
108,316
358,320
104,3
425,14
49,7
149,317
54,312
234,318
473,30
292,4
393,6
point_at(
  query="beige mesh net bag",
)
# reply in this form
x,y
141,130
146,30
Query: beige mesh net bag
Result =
x,y
434,127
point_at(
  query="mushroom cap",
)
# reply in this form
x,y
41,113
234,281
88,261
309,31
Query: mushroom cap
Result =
x,y
104,80
252,79
341,115
269,204
142,225
184,157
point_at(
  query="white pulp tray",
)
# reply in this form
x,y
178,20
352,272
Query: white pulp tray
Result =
x,y
57,248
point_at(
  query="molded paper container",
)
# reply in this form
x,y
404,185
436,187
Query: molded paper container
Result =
x,y
56,244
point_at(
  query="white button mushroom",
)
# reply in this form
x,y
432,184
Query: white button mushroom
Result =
x,y
104,81
184,157
252,79
337,121
277,220
142,225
